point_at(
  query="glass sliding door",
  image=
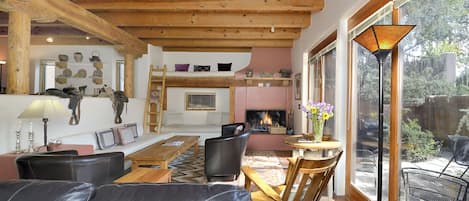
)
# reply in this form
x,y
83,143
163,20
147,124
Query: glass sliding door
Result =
x,y
365,91
435,84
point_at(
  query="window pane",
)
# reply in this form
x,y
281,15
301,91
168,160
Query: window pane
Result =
x,y
49,78
435,100
364,168
329,87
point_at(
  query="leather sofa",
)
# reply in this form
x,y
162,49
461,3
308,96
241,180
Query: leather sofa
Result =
x,y
97,169
32,190
223,156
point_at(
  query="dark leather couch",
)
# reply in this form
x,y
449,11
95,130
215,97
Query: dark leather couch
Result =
x,y
42,190
223,156
97,169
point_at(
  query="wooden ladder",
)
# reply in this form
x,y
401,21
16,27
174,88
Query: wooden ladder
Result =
x,y
153,114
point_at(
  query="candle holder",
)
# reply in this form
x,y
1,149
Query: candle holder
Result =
x,y
18,137
31,138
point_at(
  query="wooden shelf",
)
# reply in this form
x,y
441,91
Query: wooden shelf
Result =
x,y
268,81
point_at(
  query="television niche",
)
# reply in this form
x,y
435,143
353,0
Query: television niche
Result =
x,y
267,121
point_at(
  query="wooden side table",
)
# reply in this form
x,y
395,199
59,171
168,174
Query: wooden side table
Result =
x,y
146,175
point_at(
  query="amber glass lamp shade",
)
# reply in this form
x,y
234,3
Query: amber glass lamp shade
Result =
x,y
382,37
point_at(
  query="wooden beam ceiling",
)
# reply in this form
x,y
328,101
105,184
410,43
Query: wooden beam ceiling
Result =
x,y
205,5
219,43
195,24
197,19
213,33
78,17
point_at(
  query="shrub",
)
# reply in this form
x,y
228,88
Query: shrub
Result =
x,y
418,144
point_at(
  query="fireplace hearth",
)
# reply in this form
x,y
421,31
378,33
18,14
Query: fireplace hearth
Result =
x,y
266,120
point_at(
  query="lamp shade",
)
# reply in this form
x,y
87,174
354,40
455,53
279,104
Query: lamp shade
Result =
x,y
48,108
382,37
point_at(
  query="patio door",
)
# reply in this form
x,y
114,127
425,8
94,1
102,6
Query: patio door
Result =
x,y
426,96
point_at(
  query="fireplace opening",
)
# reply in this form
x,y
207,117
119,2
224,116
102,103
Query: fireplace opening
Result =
x,y
273,121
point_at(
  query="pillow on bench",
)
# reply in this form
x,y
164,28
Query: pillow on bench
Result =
x,y
105,139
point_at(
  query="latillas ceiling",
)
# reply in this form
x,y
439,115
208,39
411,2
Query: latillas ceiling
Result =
x,y
193,24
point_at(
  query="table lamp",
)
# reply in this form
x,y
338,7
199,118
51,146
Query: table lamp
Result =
x,y
380,40
44,109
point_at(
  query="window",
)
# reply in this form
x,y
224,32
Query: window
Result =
x,y
364,173
120,68
47,75
323,76
200,101
435,91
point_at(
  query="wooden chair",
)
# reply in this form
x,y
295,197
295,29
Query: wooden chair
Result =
x,y
313,176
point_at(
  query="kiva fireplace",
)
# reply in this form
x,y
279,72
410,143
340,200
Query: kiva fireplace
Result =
x,y
272,121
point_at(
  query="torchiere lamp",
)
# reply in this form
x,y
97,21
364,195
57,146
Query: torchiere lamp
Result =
x,y
44,109
380,40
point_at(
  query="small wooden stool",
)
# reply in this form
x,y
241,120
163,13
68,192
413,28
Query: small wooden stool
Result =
x,y
146,175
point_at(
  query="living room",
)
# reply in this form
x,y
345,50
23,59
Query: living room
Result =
x,y
425,87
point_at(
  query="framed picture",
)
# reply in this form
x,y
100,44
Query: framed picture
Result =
x,y
298,86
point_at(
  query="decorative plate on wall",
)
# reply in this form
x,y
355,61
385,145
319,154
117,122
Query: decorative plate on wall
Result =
x,y
80,74
67,72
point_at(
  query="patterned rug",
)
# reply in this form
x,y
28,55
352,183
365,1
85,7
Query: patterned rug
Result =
x,y
271,165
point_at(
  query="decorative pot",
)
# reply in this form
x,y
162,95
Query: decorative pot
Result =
x,y
78,56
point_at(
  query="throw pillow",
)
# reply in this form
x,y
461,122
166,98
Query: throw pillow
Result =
x,y
224,66
133,127
126,135
182,67
200,68
115,131
105,139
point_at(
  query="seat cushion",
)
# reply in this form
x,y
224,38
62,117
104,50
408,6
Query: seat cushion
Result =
x,y
32,190
169,192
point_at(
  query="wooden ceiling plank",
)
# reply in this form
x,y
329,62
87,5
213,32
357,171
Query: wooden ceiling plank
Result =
x,y
214,33
219,43
78,17
207,49
167,19
207,5
61,40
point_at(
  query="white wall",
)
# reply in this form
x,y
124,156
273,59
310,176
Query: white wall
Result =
x,y
96,114
176,103
333,17
239,59
107,54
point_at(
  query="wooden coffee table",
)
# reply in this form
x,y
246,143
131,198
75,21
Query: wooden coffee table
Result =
x,y
161,154
146,175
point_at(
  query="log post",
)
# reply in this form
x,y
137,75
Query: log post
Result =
x,y
129,75
19,37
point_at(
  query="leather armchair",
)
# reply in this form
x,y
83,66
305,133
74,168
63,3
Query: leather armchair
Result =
x,y
97,169
230,129
223,156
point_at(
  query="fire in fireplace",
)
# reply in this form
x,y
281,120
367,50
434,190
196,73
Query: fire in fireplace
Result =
x,y
264,120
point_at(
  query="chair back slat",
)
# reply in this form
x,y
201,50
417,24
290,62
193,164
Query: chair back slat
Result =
x,y
310,176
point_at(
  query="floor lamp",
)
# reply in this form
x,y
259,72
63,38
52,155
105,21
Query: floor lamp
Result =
x,y
380,40
44,109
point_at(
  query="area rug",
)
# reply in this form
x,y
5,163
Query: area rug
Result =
x,y
271,165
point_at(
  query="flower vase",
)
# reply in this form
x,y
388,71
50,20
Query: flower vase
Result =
x,y
318,128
